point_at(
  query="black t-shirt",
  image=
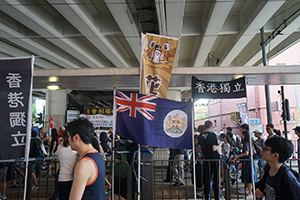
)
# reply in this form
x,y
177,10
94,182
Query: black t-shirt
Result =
x,y
179,151
35,148
54,139
289,187
206,140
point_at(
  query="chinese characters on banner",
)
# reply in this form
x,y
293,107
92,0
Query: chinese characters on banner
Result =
x,y
72,114
15,98
157,58
102,111
100,120
218,90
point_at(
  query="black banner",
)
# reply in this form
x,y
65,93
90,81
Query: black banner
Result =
x,y
218,90
15,97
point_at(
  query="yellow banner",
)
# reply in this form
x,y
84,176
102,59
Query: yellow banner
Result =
x,y
157,59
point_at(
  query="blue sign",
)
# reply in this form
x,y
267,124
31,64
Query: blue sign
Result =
x,y
254,121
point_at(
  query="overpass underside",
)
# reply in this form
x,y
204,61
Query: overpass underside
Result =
x,y
128,78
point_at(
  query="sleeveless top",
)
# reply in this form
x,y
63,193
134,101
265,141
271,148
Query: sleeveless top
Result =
x,y
96,189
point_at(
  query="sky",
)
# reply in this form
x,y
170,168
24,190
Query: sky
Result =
x,y
288,57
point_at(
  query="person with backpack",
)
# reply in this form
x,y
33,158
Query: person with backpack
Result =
x,y
259,143
279,181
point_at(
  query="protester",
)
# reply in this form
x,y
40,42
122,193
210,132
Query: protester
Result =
x,y
43,137
209,145
99,148
53,147
177,167
225,150
246,176
259,163
60,132
3,173
104,141
54,141
270,130
89,175
199,162
169,176
277,132
67,158
35,152
278,181
297,132
121,168
233,152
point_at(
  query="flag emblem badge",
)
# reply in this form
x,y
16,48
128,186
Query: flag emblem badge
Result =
x,y
175,123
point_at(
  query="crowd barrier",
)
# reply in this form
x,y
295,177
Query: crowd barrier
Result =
x,y
153,174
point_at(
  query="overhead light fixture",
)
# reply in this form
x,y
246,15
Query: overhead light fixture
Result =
x,y
54,86
237,76
53,79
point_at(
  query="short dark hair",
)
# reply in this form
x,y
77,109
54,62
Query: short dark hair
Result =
x,y
277,132
245,126
281,146
229,129
33,133
229,134
207,124
270,125
201,128
83,127
224,136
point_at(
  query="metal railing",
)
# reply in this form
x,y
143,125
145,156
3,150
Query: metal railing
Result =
x,y
153,174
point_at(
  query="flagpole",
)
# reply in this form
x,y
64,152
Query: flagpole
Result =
x,y
139,172
194,152
28,129
251,149
194,159
113,146
140,91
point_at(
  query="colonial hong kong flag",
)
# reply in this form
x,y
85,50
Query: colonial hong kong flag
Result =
x,y
154,121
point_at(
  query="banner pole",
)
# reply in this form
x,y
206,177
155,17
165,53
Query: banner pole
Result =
x,y
194,151
251,149
28,130
139,172
113,146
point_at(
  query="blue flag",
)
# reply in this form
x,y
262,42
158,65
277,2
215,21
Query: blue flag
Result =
x,y
153,121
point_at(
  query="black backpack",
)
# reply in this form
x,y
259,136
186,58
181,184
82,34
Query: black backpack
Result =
x,y
35,149
257,147
281,173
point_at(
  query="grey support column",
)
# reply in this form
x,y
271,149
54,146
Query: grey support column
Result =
x,y
267,87
56,103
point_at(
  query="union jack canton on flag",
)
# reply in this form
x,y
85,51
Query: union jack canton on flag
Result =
x,y
153,121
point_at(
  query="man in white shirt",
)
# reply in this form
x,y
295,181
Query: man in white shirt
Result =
x,y
270,130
